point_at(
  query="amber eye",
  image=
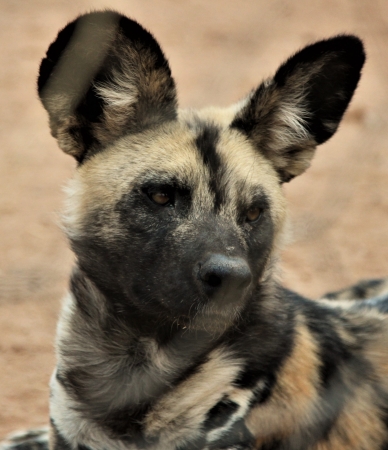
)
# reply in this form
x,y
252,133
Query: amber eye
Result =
x,y
161,198
253,214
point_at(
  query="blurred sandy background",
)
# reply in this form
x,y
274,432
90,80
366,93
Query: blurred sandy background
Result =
x,y
218,51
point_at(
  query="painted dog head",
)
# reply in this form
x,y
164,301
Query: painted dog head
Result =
x,y
177,214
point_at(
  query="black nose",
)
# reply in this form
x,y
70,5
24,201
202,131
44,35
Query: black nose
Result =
x,y
224,277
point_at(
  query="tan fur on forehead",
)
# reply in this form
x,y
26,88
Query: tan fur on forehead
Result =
x,y
246,167
108,175
212,114
165,153
166,149
243,161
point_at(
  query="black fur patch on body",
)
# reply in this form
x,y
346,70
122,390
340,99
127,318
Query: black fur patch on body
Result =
x,y
220,414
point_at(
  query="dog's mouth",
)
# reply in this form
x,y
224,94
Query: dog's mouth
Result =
x,y
213,315
212,320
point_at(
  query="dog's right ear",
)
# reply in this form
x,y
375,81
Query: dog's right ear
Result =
x,y
103,77
288,115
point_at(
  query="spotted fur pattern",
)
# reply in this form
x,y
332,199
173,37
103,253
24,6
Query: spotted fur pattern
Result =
x,y
175,333
36,439
364,289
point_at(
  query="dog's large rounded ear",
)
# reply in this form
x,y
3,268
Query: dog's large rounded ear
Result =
x,y
104,76
302,105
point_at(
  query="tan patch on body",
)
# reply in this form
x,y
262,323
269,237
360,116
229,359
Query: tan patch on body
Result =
x,y
295,405
358,426
292,404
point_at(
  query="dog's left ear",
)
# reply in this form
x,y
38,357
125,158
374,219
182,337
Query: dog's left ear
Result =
x,y
103,77
287,116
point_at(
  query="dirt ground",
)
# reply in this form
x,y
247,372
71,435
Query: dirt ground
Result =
x,y
218,51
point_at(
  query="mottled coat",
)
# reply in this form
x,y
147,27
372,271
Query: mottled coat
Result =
x,y
175,333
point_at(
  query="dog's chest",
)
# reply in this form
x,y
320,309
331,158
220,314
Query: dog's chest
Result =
x,y
204,409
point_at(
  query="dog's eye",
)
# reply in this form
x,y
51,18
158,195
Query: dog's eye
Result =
x,y
161,198
253,214
161,195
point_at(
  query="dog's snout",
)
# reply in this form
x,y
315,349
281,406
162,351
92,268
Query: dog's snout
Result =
x,y
223,276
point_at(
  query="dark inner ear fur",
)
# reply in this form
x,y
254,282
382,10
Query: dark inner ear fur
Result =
x,y
104,76
301,106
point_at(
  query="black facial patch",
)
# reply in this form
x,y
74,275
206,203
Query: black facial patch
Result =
x,y
206,142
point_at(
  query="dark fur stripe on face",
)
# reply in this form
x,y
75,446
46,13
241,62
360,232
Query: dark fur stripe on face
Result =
x,y
206,142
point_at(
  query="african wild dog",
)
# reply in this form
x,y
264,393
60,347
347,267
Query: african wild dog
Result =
x,y
175,334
